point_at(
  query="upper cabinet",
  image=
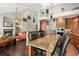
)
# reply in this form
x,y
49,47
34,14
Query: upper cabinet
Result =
x,y
73,23
60,22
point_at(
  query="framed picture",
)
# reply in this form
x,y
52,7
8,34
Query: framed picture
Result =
x,y
25,19
29,17
51,16
47,11
7,22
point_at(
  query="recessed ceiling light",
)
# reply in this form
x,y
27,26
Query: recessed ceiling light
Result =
x,y
45,4
54,3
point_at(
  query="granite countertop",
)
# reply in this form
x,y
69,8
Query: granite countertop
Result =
x,y
77,34
47,43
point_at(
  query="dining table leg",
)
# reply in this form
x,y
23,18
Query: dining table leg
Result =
x,y
30,50
48,53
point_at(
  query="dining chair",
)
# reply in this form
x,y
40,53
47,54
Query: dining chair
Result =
x,y
61,49
65,45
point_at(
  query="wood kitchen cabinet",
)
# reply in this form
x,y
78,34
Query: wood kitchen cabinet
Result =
x,y
75,40
73,24
60,22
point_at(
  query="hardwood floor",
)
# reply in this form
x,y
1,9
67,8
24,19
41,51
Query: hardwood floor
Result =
x,y
21,50
18,50
71,50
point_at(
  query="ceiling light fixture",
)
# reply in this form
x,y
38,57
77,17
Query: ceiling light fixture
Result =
x,y
54,3
45,4
16,14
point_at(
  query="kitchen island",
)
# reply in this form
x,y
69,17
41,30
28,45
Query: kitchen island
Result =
x,y
47,43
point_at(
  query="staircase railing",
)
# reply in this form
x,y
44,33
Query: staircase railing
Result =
x,y
30,28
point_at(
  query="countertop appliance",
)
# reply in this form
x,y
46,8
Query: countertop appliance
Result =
x,y
60,31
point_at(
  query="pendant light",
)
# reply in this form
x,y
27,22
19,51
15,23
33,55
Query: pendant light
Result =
x,y
16,14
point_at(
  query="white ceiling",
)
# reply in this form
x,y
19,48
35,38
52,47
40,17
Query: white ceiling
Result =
x,y
10,8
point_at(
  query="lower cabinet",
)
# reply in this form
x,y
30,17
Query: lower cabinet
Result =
x,y
75,40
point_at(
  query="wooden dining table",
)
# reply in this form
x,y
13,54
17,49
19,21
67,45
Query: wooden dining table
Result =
x,y
47,43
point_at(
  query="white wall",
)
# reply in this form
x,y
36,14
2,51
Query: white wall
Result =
x,y
29,24
52,9
67,7
1,26
55,11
